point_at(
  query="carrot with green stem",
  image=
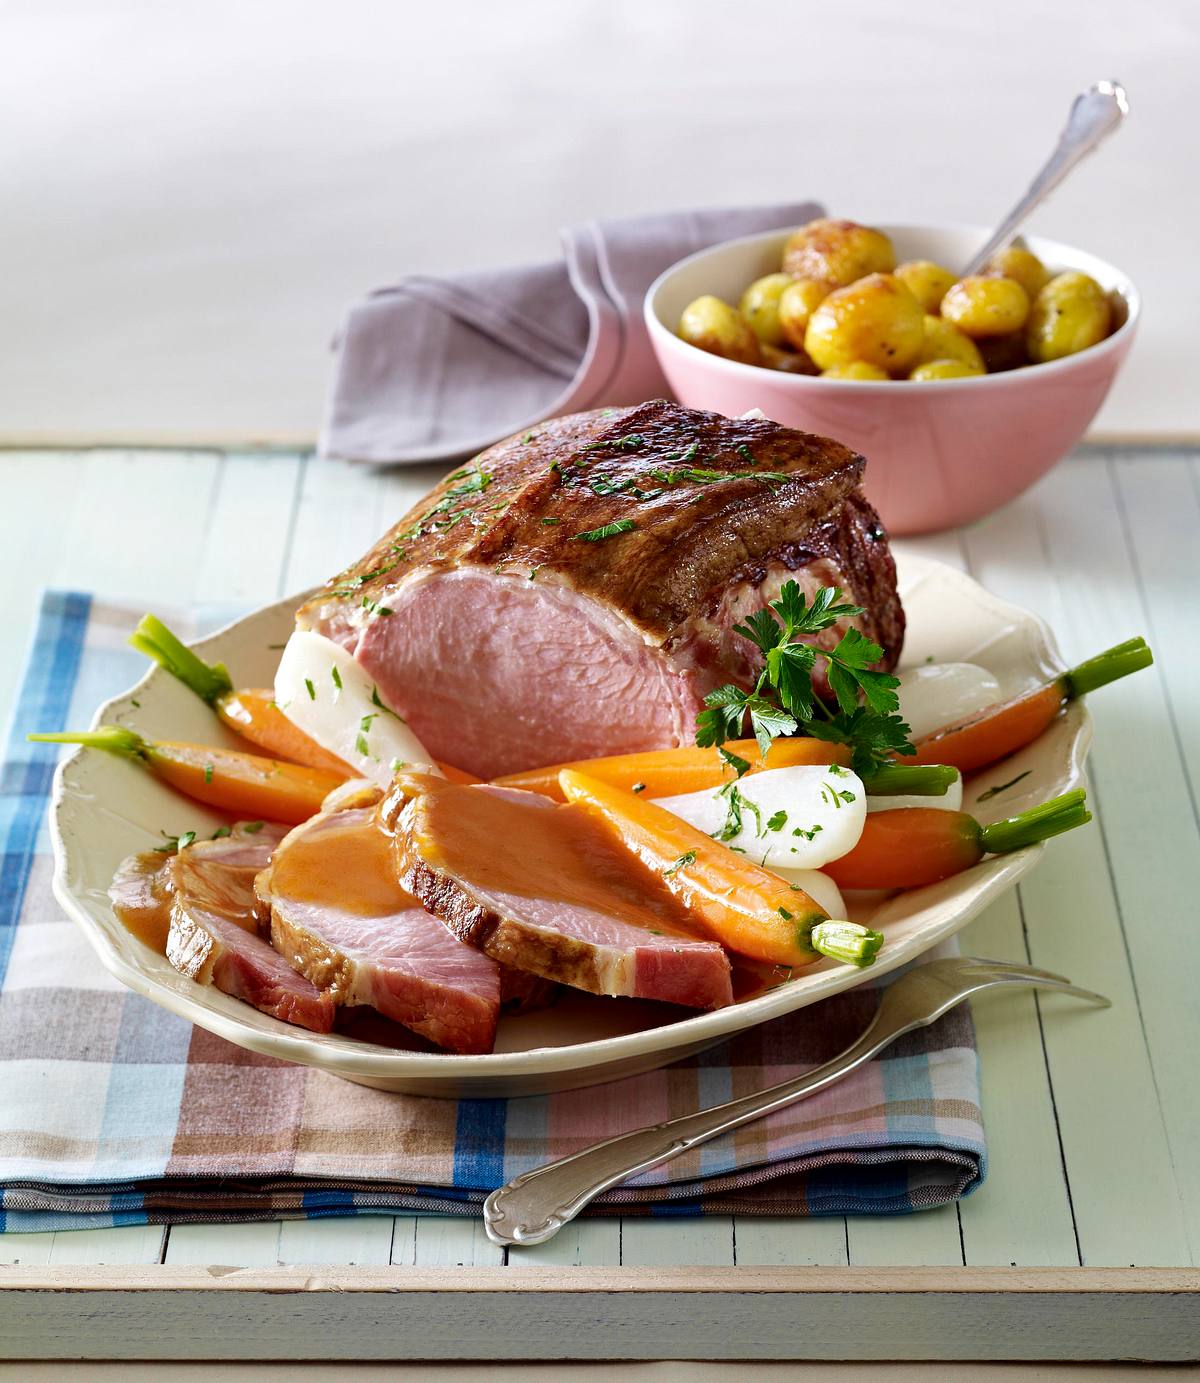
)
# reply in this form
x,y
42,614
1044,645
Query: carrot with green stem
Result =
x,y
913,846
1000,730
251,713
675,772
746,908
226,779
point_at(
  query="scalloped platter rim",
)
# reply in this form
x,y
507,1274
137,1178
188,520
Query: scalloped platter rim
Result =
x,y
583,1040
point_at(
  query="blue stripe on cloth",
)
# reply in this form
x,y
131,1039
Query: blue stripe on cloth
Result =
x,y
45,695
479,1143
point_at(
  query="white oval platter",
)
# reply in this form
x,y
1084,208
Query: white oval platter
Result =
x,y
104,808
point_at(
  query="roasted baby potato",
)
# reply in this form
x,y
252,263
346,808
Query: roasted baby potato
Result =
x,y
983,306
876,320
942,340
926,281
760,307
1022,265
1070,314
796,305
855,369
716,327
943,369
837,252
790,362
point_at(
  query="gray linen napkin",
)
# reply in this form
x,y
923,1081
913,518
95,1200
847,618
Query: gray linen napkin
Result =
x,y
438,368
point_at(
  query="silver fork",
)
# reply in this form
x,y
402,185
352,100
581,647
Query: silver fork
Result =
x,y
534,1206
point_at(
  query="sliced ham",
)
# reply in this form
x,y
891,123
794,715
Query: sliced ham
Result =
x,y
206,894
341,918
541,887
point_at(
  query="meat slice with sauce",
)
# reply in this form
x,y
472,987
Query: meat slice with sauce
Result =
x,y
339,916
200,904
573,592
542,887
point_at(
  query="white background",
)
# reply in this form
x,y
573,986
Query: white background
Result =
x,y
192,192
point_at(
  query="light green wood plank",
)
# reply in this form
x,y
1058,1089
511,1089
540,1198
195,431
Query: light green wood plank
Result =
x,y
139,526
1113,1131
704,1242
1022,1213
247,541
362,1239
929,1237
1159,501
817,1240
26,1248
38,492
1150,823
124,1244
454,1241
338,517
404,1239
582,1243
234,1246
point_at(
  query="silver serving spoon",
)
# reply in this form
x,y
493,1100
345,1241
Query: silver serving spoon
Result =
x,y
534,1207
1095,114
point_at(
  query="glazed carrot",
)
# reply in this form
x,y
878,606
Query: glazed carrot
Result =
x,y
999,730
745,908
253,714
243,784
670,772
913,846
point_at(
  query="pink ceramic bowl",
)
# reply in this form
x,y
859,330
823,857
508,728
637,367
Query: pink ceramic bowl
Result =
x,y
940,453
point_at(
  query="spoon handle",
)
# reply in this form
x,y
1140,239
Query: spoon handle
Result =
x,y
1095,113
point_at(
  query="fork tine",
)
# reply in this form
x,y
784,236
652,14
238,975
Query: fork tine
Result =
x,y
1066,988
1006,967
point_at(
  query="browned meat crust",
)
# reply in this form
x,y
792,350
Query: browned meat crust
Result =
x,y
714,500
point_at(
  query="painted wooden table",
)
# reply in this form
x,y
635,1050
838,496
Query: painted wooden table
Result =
x,y
1093,1118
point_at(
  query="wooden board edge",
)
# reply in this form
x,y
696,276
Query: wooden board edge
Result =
x,y
783,1280
601,1315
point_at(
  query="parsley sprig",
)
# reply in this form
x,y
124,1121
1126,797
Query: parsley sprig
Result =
x,y
783,699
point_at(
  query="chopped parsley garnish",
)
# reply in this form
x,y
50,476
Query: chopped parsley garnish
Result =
x,y
221,832
808,835
337,682
312,691
608,530
533,571
688,857
745,453
252,828
377,700
208,773
734,761
175,843
783,698
783,912
834,797
778,821
549,521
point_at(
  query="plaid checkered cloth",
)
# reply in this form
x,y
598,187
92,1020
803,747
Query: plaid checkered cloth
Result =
x,y
113,1111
